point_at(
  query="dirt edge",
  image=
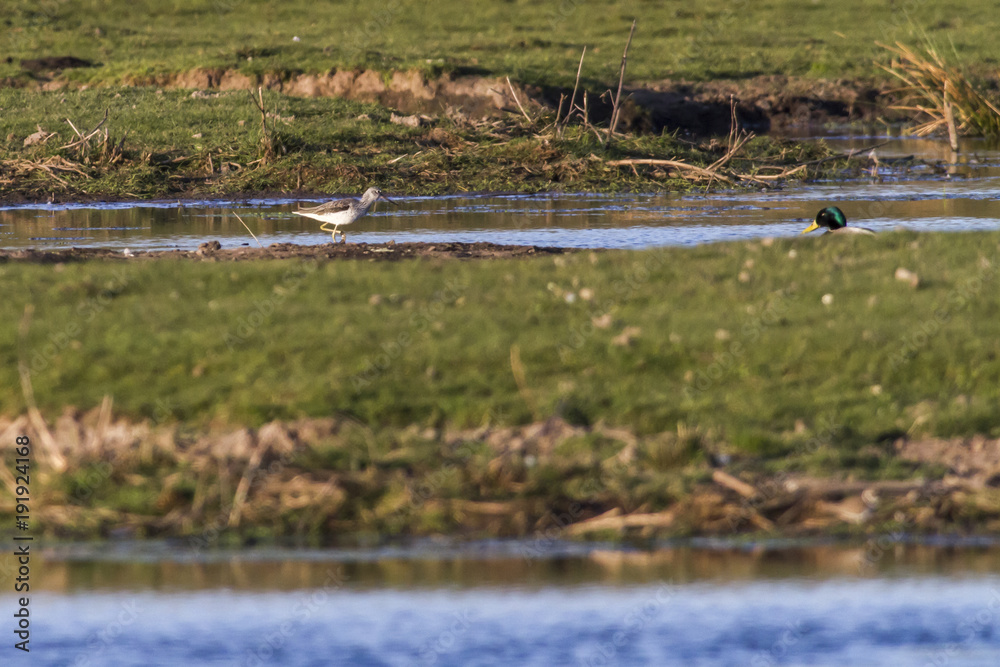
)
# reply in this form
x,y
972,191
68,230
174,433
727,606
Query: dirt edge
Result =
x,y
212,251
764,102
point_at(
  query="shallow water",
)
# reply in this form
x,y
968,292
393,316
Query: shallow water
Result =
x,y
525,603
951,195
882,622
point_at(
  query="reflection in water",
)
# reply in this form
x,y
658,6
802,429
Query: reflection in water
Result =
x,y
961,196
895,605
166,567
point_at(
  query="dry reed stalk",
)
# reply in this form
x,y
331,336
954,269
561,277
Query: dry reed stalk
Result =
x,y
613,520
735,148
616,107
576,86
247,228
562,98
936,89
517,101
96,438
517,368
243,488
773,177
83,142
267,140
737,139
702,172
949,117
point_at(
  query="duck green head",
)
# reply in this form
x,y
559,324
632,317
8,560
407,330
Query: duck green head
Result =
x,y
831,217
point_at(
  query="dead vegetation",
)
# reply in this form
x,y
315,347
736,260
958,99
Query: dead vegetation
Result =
x,y
86,154
941,93
95,474
270,140
50,167
104,149
758,174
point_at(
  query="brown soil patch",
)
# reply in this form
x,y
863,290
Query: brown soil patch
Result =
x,y
53,63
974,460
764,102
212,251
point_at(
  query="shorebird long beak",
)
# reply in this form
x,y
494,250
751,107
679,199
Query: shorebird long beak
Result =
x,y
387,199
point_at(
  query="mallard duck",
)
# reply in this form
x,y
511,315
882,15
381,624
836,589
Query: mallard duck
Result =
x,y
834,219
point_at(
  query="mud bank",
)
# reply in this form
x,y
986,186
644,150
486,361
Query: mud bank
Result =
x,y
763,103
213,251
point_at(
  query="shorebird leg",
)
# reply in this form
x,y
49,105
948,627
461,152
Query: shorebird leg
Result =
x,y
334,230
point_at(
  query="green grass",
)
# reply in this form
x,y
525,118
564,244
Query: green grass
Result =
x,y
530,41
737,362
177,144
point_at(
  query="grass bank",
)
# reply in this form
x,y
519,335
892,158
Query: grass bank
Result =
x,y
535,43
490,397
178,146
744,340
170,143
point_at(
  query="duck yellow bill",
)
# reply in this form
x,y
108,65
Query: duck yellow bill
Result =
x,y
810,228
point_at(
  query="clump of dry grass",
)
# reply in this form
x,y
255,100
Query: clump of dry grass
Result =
x,y
941,92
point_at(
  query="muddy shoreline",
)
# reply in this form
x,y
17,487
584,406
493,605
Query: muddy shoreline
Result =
x,y
212,251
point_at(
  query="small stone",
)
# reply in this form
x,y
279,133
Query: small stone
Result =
x,y
407,121
587,294
722,334
907,276
625,338
39,137
602,322
792,254
827,299
209,247
875,389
